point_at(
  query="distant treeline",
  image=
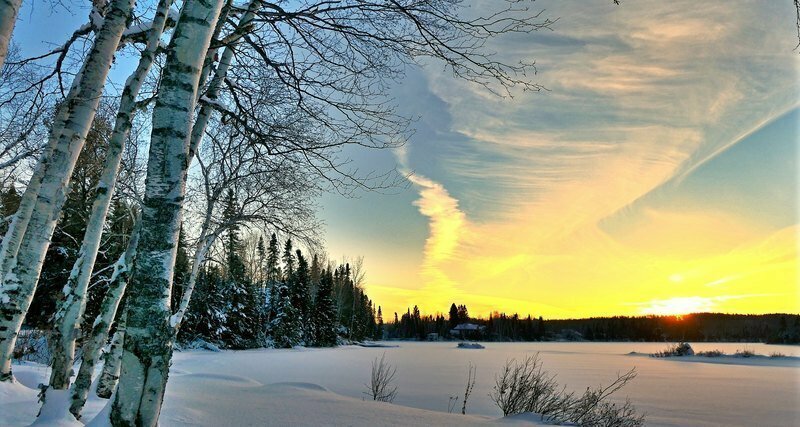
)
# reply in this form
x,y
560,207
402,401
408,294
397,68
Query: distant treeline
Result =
x,y
769,328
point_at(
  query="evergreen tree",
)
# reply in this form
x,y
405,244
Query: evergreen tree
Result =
x,y
316,275
284,327
242,295
9,202
262,256
262,303
182,267
207,315
463,314
379,329
273,271
324,314
453,316
273,274
233,244
299,293
288,260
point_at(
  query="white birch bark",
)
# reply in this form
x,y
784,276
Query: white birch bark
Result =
x,y
112,362
73,303
16,230
102,323
208,62
8,18
19,281
149,335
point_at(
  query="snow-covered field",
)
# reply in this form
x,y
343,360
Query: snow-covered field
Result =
x,y
325,386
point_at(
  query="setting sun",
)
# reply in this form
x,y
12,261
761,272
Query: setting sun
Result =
x,y
679,306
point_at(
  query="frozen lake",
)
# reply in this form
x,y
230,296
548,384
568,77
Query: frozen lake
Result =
x,y
672,392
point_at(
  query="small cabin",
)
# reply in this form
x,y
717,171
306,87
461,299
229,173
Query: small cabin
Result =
x,y
467,330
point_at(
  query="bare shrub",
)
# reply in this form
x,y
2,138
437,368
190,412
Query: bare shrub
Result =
x,y
31,346
525,386
470,385
381,386
675,350
451,404
711,353
745,352
777,354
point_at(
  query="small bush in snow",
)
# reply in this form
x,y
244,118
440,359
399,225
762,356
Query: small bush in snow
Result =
x,y
381,386
711,353
777,354
526,387
680,349
745,352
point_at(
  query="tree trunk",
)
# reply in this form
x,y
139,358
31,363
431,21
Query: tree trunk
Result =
x,y
102,324
112,362
215,85
201,250
73,303
148,344
19,282
8,18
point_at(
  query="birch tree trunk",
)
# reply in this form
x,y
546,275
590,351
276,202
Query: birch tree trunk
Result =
x,y
148,343
221,72
102,324
13,237
20,279
8,18
112,362
70,308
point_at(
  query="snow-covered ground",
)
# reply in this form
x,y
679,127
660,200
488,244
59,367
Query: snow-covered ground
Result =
x,y
325,386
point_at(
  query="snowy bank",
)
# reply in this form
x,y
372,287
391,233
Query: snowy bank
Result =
x,y
204,397
370,344
731,359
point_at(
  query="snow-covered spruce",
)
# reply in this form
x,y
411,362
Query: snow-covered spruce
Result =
x,y
71,306
19,282
149,335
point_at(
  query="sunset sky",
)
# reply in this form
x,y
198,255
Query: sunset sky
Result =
x,y
658,173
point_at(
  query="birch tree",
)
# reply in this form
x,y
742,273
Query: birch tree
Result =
x,y
147,347
26,242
